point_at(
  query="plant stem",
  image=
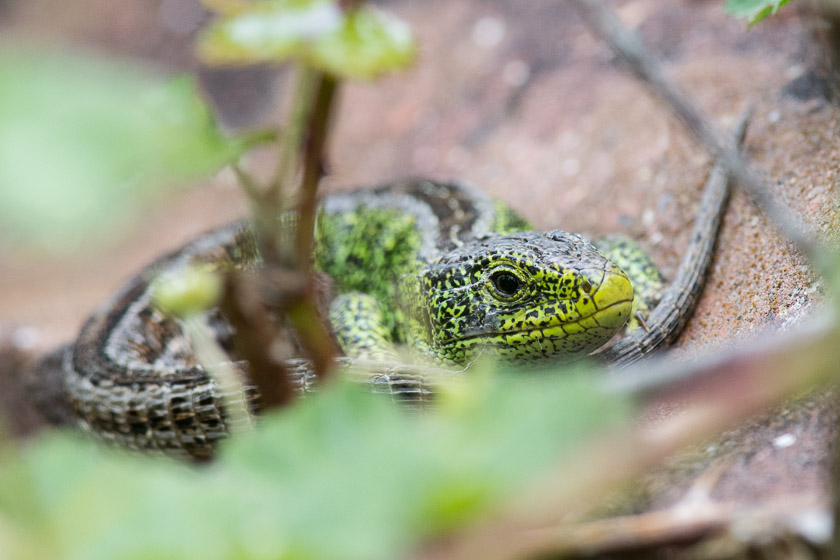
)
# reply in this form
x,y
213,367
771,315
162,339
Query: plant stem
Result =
x,y
292,137
304,139
304,313
313,165
256,338
287,256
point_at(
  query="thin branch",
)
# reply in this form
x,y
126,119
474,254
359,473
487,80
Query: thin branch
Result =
x,y
292,137
313,164
673,526
303,312
302,299
255,339
302,140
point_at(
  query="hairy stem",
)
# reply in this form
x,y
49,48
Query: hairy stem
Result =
x,y
304,313
256,337
313,164
293,136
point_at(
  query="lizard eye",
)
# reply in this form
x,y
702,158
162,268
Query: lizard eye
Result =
x,y
506,283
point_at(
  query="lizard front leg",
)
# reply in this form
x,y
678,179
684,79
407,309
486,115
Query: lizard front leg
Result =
x,y
359,322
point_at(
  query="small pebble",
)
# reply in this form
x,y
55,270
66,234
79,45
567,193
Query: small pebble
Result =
x,y
488,32
784,440
26,338
816,525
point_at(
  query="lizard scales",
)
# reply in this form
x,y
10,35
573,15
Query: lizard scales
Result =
x,y
131,377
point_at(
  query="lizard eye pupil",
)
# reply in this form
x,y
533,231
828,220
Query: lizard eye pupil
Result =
x,y
506,283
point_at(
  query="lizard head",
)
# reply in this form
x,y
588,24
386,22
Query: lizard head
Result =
x,y
520,297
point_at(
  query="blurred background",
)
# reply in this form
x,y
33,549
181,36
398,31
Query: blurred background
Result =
x,y
516,98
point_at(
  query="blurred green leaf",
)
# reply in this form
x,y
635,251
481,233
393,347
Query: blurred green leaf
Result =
x,y
344,475
360,43
83,140
753,10
189,291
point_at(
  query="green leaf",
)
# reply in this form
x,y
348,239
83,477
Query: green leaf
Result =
x,y
361,43
343,475
753,10
83,140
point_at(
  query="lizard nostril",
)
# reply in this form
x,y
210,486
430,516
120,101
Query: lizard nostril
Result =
x,y
586,287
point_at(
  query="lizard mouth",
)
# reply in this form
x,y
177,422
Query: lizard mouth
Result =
x,y
577,337
601,324
569,327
